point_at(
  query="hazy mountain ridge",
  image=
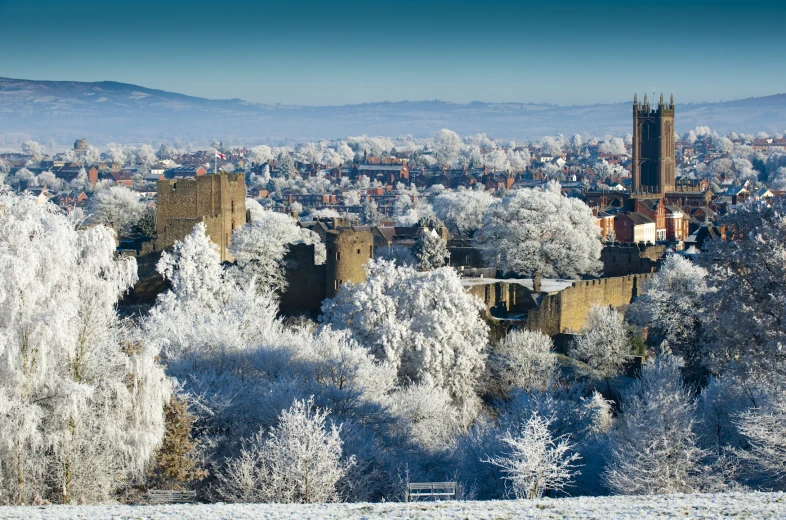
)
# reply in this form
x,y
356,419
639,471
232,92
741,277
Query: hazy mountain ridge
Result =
x,y
60,111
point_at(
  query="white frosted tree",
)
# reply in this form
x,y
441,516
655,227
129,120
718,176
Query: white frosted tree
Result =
x,y
576,142
259,247
462,211
536,461
523,359
745,313
551,146
613,146
398,254
764,429
540,233
603,343
81,399
117,206
447,146
33,149
205,314
424,324
260,154
653,446
675,299
430,250
298,461
22,179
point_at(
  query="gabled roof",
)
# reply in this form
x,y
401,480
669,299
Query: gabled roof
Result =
x,y
639,218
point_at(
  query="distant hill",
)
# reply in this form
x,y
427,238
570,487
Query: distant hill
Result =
x,y
61,111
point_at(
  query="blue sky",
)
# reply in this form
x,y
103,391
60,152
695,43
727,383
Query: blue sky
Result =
x,y
320,52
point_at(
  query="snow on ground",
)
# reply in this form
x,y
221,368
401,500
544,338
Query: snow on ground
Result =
x,y
736,505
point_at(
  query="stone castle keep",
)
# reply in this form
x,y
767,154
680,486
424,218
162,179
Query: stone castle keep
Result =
x,y
217,200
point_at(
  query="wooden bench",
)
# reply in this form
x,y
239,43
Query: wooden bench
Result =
x,y
169,496
433,490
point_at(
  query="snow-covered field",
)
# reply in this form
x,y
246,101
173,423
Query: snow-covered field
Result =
x,y
730,505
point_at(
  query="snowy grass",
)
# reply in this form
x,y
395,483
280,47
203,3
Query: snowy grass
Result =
x,y
709,506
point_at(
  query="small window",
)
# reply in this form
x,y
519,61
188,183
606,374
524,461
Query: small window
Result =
x,y
335,285
468,259
338,255
358,251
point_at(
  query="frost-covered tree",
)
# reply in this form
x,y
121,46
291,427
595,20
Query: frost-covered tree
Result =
x,y
540,233
81,399
576,142
764,429
551,146
613,146
523,359
746,311
462,211
430,250
259,247
675,300
536,462
447,146
398,254
205,315
49,180
285,164
603,343
425,414
116,153
260,154
654,449
298,461
117,206
145,156
22,179
424,324
164,152
34,149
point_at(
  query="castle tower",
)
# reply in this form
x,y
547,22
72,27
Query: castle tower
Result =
x,y
217,200
347,251
652,167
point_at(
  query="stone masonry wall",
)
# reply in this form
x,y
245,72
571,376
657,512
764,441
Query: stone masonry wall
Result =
x,y
217,200
565,312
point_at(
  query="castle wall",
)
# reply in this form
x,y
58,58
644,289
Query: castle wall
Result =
x,y
217,200
562,311
624,260
575,301
306,285
347,251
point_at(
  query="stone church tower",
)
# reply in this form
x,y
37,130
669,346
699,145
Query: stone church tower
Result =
x,y
652,167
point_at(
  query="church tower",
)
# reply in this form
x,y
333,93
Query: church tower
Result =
x,y
653,148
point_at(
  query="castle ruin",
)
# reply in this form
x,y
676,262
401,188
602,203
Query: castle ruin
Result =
x,y
219,201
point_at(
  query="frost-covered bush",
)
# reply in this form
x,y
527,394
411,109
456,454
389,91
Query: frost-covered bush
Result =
x,y
522,359
603,343
536,461
300,460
